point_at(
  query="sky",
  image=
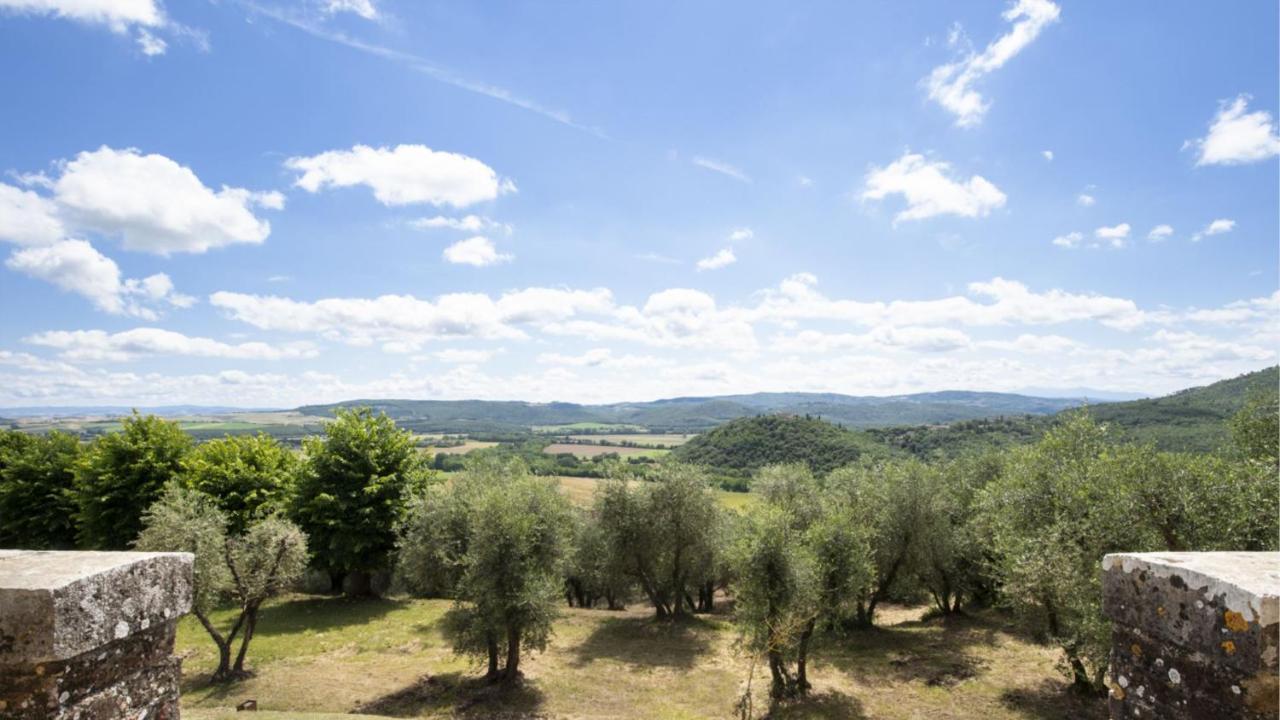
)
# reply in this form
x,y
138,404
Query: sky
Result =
x,y
263,203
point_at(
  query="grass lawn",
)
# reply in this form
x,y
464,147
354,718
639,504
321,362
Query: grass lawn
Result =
x,y
315,654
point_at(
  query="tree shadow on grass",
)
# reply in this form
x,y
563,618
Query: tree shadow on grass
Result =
x,y
831,704
1055,700
646,642
461,696
318,614
935,652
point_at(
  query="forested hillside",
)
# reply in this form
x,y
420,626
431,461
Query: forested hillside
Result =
x,y
1188,420
747,444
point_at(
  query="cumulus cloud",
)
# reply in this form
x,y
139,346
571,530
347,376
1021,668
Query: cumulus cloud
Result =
x,y
719,166
930,190
101,346
723,258
1217,227
410,321
478,251
603,358
952,85
1237,137
156,205
1047,155
1160,232
740,234
364,8
75,266
403,175
1115,235
1085,200
463,357
468,223
27,218
139,16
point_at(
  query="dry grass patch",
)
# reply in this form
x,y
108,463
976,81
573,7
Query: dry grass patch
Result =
x,y
589,451
387,657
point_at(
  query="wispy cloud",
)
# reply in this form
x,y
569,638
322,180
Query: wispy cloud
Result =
x,y
721,167
421,65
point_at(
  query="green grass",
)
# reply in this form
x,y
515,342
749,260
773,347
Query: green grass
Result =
x,y
387,658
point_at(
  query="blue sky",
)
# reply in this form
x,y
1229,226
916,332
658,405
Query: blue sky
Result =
x,y
269,203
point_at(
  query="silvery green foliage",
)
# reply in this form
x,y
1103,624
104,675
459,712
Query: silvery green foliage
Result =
x,y
185,520
268,559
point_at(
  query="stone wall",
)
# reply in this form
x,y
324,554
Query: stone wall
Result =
x,y
89,635
1195,635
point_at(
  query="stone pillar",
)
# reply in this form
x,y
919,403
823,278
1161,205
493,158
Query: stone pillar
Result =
x,y
88,635
1194,635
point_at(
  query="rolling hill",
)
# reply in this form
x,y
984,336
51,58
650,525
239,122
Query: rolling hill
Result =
x,y
744,445
700,413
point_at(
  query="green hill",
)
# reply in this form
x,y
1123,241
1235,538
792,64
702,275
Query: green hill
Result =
x,y
1192,420
741,446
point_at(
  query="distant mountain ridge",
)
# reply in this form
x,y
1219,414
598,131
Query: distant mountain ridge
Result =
x,y
700,413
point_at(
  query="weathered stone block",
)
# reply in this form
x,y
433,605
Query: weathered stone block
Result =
x,y
89,634
1195,635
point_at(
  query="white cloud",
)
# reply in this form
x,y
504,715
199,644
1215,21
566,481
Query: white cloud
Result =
x,y
410,321
1036,344
721,259
1085,200
1070,241
929,190
468,223
740,234
119,16
1261,309
1237,137
364,8
602,358
403,175
721,167
1115,235
156,205
27,218
101,346
1217,227
463,357
951,85
1047,155
1009,302
1160,232
75,266
478,251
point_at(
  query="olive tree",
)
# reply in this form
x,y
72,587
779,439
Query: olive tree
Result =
x,y
592,573
353,490
802,561
248,569
498,537
37,490
662,533
121,474
889,501
248,476
1052,514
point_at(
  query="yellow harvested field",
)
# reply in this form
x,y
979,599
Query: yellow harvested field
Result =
x,y
462,449
589,451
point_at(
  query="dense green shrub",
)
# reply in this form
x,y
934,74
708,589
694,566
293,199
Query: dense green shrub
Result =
x,y
37,490
122,474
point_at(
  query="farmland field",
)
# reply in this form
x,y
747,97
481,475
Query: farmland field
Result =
x,y
580,491
320,654
464,448
591,427
588,451
643,439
